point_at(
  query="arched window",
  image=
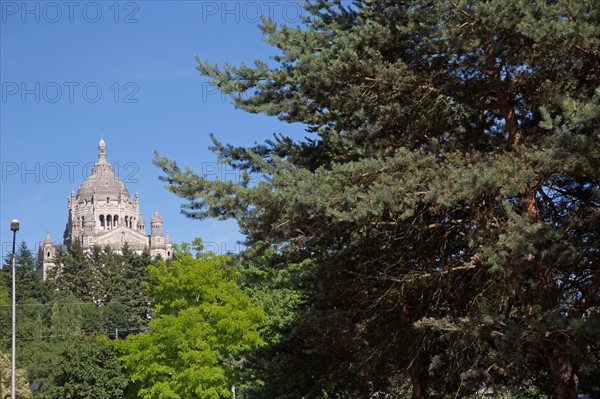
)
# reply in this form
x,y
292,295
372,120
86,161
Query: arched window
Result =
x,y
102,221
108,221
48,254
116,220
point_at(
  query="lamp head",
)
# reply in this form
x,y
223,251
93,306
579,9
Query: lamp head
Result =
x,y
14,225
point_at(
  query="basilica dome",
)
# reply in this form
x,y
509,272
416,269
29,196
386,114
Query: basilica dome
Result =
x,y
103,182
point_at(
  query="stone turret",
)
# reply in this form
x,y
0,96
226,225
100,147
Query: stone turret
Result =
x,y
157,240
46,254
156,224
141,225
159,245
168,245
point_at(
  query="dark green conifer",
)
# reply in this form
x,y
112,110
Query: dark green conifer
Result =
x,y
448,191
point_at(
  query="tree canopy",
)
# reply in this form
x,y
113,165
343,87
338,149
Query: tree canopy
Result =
x,y
30,284
89,369
88,294
202,328
448,192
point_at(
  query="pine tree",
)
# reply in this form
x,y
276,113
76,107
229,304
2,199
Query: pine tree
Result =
x,y
29,283
115,283
74,273
135,287
448,191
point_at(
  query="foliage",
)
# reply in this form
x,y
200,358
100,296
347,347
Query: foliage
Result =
x,y
21,388
282,291
114,282
89,369
5,318
447,193
73,273
29,283
202,328
41,358
87,295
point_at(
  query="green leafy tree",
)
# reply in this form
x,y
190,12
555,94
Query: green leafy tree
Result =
x,y
280,289
202,328
448,192
283,291
41,358
89,369
21,388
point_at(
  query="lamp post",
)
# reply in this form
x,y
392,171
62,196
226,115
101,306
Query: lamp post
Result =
x,y
14,227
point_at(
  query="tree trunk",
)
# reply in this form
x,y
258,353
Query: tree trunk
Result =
x,y
418,377
565,379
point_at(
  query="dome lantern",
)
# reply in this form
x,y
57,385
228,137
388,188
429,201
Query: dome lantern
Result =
x,y
101,151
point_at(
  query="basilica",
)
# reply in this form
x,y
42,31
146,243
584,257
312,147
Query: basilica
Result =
x,y
103,213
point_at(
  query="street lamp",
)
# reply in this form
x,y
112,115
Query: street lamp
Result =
x,y
14,227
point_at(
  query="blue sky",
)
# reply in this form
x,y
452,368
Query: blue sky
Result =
x,y
72,71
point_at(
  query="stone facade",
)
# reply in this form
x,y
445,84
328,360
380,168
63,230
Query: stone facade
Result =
x,y
104,213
